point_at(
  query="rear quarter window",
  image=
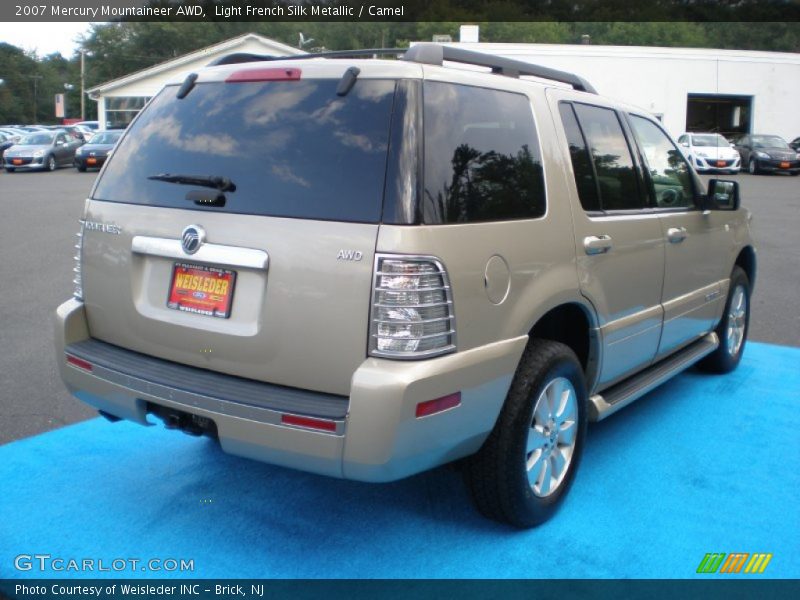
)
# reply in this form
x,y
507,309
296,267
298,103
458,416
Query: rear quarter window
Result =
x,y
482,158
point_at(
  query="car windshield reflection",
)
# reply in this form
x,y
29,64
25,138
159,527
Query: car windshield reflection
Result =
x,y
37,139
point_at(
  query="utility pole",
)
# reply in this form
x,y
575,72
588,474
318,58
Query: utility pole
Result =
x,y
83,52
36,79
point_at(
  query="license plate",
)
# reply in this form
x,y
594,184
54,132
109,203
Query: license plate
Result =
x,y
720,163
91,161
17,161
201,290
784,165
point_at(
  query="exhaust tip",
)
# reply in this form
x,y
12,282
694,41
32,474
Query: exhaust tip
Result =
x,y
109,417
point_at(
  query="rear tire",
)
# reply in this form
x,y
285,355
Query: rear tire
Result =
x,y
732,329
526,466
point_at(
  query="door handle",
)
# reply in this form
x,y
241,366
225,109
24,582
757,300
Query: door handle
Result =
x,y
676,234
597,244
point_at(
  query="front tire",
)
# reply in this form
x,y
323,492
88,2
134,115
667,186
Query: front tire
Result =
x,y
526,466
752,167
732,329
51,163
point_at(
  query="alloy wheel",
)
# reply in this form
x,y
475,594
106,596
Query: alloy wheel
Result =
x,y
551,437
737,320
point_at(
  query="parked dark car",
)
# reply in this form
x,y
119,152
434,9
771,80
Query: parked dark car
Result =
x,y
93,154
45,150
767,154
6,141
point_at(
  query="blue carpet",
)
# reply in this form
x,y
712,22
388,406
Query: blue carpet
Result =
x,y
703,464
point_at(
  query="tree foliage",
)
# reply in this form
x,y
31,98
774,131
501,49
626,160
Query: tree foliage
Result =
x,y
30,83
118,49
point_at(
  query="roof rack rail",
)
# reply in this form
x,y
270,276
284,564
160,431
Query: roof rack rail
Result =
x,y
436,54
432,54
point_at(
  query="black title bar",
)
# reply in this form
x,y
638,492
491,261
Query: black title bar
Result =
x,y
400,10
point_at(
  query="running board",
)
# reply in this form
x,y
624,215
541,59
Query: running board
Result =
x,y
633,388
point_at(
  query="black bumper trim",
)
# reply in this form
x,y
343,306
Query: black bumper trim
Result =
x,y
210,384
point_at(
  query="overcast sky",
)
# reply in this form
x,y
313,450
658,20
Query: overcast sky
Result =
x,y
45,38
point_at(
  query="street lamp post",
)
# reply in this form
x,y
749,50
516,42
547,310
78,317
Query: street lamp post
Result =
x,y
83,52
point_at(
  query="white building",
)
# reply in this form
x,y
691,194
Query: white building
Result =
x,y
119,100
690,89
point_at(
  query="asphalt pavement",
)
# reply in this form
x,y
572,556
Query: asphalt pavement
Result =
x,y
37,233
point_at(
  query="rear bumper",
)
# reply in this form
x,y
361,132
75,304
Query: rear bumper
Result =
x,y
376,435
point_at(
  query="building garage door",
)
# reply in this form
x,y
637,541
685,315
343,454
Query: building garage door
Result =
x,y
728,115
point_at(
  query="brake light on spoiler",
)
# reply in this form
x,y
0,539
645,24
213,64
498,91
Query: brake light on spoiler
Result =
x,y
250,75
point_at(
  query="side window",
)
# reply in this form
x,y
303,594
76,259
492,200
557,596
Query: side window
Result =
x,y
613,163
670,179
482,158
581,160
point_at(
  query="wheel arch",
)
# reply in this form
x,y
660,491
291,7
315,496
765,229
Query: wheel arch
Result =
x,y
575,325
746,260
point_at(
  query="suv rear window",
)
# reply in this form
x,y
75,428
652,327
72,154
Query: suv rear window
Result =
x,y
291,148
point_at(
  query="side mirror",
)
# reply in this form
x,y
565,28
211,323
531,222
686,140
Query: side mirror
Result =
x,y
685,144
722,195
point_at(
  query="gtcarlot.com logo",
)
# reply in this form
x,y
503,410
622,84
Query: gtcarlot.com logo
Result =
x,y
736,562
48,562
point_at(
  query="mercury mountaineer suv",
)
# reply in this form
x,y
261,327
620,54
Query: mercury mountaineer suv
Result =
x,y
368,268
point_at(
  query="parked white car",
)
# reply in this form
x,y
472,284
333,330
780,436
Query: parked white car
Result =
x,y
710,152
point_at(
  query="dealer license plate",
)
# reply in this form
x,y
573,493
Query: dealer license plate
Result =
x,y
720,163
784,165
17,161
91,161
201,290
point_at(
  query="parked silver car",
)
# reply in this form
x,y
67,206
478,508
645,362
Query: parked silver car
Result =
x,y
42,150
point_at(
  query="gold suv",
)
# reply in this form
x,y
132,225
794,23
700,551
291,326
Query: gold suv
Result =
x,y
368,268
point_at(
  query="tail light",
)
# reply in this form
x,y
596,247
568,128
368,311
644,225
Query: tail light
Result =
x,y
412,308
78,280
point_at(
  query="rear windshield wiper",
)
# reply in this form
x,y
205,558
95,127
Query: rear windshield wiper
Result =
x,y
213,181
